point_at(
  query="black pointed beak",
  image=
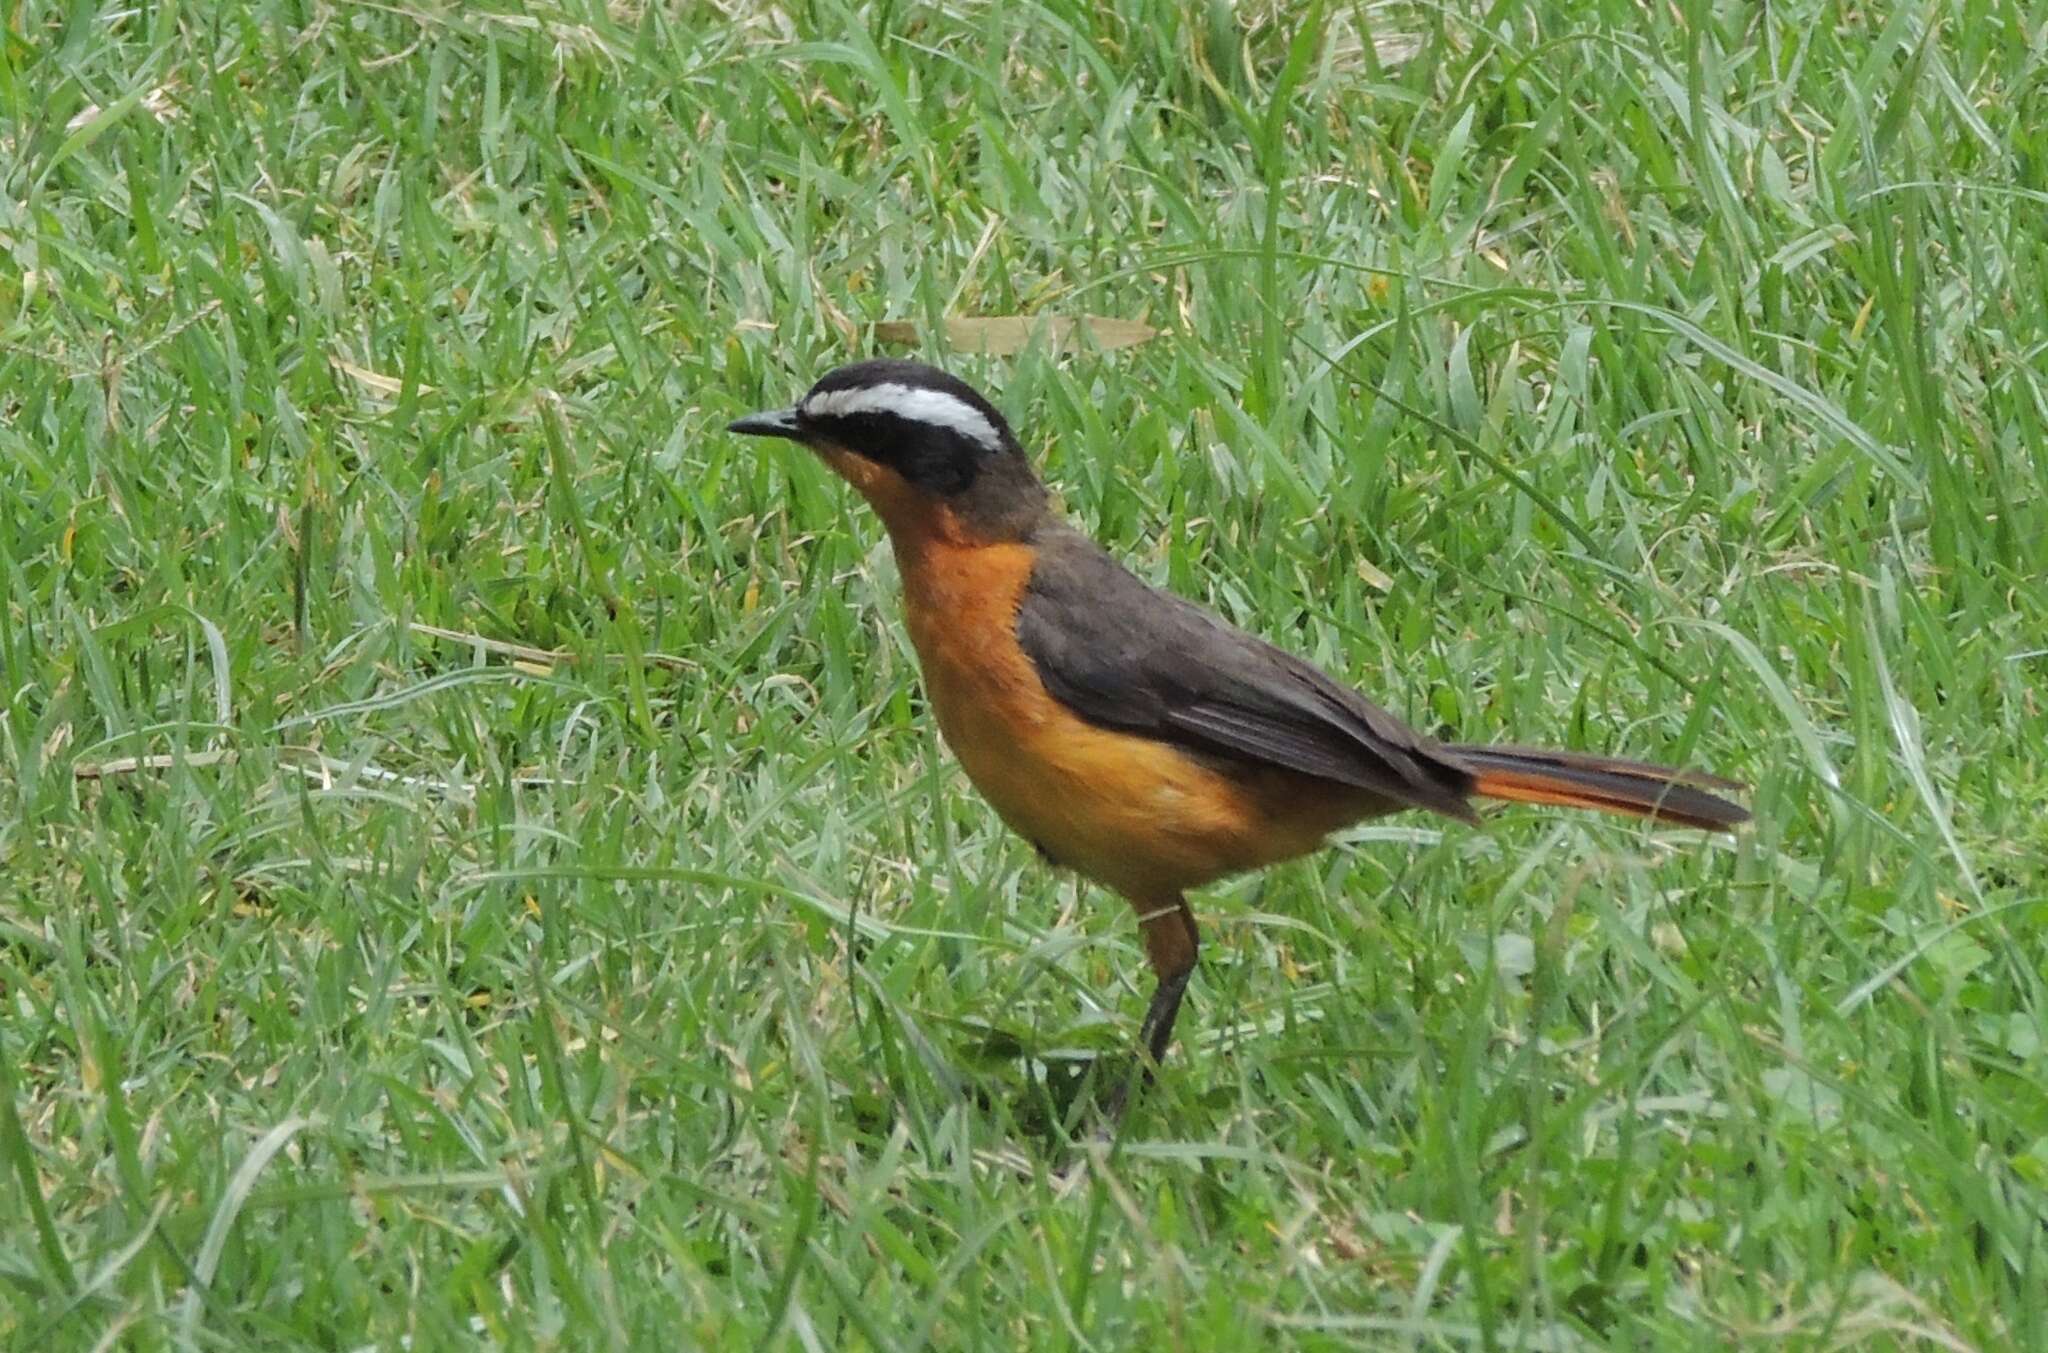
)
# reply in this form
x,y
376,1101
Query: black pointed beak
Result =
x,y
774,423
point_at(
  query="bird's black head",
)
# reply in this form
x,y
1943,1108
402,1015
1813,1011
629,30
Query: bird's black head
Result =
x,y
903,432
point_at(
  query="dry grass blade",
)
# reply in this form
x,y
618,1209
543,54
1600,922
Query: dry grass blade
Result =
x,y
541,658
129,765
1004,335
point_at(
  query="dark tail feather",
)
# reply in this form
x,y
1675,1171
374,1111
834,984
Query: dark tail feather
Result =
x,y
1528,775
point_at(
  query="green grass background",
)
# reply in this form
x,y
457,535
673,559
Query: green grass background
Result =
x,y
1666,379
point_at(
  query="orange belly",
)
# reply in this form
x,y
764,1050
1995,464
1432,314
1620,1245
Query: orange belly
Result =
x,y
1136,814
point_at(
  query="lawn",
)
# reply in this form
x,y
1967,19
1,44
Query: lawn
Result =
x,y
474,864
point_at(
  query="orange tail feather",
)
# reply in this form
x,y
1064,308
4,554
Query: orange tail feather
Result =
x,y
1637,788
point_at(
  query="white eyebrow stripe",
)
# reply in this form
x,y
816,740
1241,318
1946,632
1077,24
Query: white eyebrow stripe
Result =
x,y
914,402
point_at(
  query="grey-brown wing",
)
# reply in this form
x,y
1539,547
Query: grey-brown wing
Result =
x,y
1124,655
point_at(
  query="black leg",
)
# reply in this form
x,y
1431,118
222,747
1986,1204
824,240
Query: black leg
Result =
x,y
1156,1033
1171,943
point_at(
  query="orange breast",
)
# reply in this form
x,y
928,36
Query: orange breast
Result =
x,y
1131,812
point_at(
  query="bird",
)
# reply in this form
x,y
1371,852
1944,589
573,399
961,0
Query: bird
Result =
x,y
1130,735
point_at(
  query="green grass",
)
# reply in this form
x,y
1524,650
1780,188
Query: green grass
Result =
x,y
1665,379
